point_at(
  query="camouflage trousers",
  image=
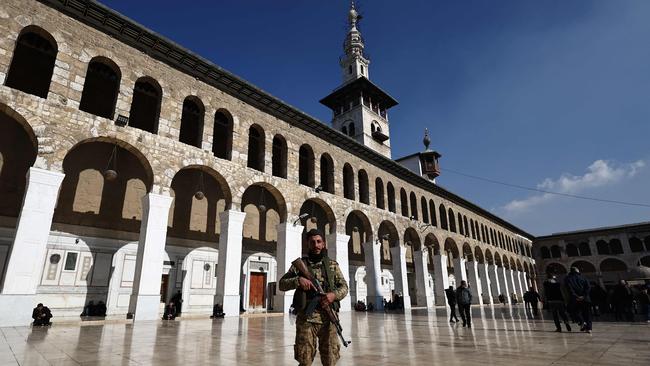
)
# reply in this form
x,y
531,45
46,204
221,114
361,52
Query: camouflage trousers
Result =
x,y
310,334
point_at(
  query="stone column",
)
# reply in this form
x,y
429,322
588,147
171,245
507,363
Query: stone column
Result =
x,y
474,282
373,274
503,283
495,287
398,253
485,283
441,277
512,284
337,249
289,248
145,296
459,270
422,278
229,265
29,248
520,283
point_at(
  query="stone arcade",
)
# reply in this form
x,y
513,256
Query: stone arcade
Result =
x,y
131,169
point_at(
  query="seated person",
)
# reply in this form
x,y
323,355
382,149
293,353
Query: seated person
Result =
x,y
170,311
41,315
89,309
217,311
100,309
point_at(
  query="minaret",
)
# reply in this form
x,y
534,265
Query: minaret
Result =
x,y
359,106
353,63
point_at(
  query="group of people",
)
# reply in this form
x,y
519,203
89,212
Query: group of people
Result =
x,y
461,297
173,307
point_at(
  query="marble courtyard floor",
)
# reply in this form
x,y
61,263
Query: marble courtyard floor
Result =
x,y
499,336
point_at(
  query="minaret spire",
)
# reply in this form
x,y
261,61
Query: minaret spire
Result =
x,y
353,63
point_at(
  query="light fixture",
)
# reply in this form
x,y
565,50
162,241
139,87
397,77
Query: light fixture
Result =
x,y
408,243
319,189
412,218
301,217
385,237
110,173
199,194
262,205
355,229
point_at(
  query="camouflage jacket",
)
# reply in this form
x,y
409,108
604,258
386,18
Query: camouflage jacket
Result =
x,y
290,282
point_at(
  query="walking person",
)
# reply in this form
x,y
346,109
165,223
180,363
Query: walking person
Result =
x,y
534,299
579,289
451,300
623,299
464,300
315,332
554,299
644,301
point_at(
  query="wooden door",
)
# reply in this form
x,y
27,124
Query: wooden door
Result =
x,y
256,292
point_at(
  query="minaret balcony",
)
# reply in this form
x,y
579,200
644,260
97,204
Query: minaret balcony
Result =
x,y
379,136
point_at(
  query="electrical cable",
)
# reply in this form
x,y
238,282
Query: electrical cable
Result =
x,y
547,192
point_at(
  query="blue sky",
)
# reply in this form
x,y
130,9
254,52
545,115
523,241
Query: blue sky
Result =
x,y
552,94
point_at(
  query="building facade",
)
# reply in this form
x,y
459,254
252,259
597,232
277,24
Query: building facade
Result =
x,y
605,255
132,169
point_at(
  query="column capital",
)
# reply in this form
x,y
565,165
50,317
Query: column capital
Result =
x,y
161,201
290,228
45,177
232,215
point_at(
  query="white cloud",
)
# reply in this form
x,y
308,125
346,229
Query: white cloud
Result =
x,y
600,173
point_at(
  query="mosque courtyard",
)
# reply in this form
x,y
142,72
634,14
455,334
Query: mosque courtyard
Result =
x,y
500,335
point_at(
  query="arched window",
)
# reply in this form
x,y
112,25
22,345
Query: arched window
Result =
x,y
327,173
101,87
602,247
615,246
222,140
192,122
414,206
306,166
432,211
364,192
584,249
344,129
32,64
555,251
465,225
351,129
546,254
571,250
461,230
348,182
404,202
635,245
379,193
279,158
145,106
390,192
256,148
471,226
443,217
452,221
425,210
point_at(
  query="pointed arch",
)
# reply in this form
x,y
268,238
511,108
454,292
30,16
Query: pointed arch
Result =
x,y
443,217
452,220
425,210
404,202
414,206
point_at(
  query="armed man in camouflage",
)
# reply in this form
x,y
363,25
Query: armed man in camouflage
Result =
x,y
316,327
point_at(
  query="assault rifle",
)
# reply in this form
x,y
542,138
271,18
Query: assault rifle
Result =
x,y
331,314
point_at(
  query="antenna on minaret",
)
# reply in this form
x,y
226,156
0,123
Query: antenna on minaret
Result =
x,y
426,140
